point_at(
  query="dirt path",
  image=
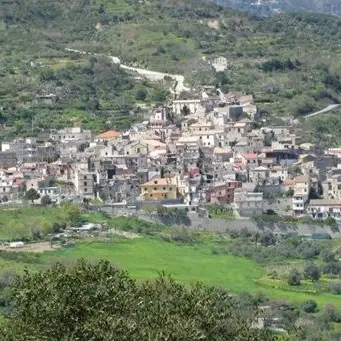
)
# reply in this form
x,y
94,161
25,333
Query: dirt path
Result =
x,y
35,248
151,75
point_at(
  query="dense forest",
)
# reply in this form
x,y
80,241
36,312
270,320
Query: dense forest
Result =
x,y
289,62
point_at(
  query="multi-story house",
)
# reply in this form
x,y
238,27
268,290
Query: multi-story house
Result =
x,y
301,195
324,208
221,192
71,135
8,160
248,204
23,148
159,189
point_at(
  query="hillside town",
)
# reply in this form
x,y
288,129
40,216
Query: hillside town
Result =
x,y
189,155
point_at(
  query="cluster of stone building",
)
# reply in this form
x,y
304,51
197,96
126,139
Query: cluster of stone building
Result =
x,y
215,150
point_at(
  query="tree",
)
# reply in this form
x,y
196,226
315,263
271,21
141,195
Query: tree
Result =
x,y
100,302
309,306
267,238
327,256
31,195
294,278
141,95
185,110
71,213
313,194
45,200
312,272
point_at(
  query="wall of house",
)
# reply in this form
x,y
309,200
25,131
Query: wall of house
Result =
x,y
158,192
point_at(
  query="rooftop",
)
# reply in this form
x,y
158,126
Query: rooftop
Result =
x,y
110,134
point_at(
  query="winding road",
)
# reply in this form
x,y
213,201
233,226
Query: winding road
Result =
x,y
151,75
329,108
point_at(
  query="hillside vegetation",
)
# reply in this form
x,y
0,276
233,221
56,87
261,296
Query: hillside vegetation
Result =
x,y
291,63
268,7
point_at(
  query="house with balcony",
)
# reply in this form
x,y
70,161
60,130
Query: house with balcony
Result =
x,y
325,208
300,198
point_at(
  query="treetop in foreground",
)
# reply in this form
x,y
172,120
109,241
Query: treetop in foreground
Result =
x,y
100,302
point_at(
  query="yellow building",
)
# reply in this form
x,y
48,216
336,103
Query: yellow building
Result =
x,y
159,189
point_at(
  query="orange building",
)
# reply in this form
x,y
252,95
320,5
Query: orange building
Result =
x,y
159,189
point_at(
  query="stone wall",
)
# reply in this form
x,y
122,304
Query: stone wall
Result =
x,y
198,223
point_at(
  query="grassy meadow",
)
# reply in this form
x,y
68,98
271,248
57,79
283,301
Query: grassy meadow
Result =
x,y
145,257
188,257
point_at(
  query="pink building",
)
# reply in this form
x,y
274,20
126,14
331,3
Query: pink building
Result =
x,y
222,192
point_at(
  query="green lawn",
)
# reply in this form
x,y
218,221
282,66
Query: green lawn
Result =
x,y
145,257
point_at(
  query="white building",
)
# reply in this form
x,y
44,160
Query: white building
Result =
x,y
192,104
325,208
248,204
71,135
23,148
301,195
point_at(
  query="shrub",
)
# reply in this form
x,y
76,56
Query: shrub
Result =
x,y
312,272
335,288
309,306
45,200
215,250
294,278
331,314
183,236
267,239
327,256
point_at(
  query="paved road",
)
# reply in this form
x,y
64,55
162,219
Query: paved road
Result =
x,y
323,111
152,75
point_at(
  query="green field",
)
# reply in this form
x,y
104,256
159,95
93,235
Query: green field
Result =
x,y
145,257
188,262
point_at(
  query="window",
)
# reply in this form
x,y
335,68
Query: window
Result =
x,y
85,183
164,188
146,189
155,182
151,195
85,189
170,188
138,150
155,189
208,136
84,177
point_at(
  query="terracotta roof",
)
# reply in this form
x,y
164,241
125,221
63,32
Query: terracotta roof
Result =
x,y
288,182
155,143
110,134
302,179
